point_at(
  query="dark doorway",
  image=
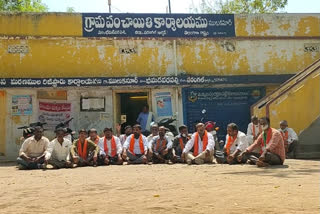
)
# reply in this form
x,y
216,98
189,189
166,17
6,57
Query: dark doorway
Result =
x,y
131,105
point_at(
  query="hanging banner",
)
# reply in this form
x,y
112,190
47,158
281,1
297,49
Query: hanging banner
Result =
x,y
21,105
157,25
54,113
164,104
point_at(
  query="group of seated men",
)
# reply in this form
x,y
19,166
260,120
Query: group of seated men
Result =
x,y
261,146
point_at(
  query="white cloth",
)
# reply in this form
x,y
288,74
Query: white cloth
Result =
x,y
123,138
190,143
68,137
33,148
240,143
250,136
101,146
292,135
155,139
57,151
149,139
136,148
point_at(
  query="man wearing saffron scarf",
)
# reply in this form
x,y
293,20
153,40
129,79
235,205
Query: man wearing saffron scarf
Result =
x,y
290,139
179,143
160,148
136,147
93,136
202,143
236,142
110,149
271,146
84,152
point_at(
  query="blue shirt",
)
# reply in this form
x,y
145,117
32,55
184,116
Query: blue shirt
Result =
x,y
143,119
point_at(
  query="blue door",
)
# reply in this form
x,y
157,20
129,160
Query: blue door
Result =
x,y
222,105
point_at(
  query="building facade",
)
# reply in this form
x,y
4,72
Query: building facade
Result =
x,y
100,69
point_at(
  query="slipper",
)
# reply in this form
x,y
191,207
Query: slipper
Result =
x,y
262,164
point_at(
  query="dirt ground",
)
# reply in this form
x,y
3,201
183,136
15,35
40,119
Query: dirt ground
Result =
x,y
292,188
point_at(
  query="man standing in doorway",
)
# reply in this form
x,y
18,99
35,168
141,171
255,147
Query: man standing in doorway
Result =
x,y
144,119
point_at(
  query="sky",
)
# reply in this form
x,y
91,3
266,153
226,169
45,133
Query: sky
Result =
x,y
157,6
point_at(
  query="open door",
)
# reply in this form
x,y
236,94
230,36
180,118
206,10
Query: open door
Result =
x,y
128,105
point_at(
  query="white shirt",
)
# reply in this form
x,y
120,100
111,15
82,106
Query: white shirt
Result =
x,y
250,130
101,146
68,137
149,139
33,148
190,143
156,138
291,134
136,148
123,138
57,151
240,143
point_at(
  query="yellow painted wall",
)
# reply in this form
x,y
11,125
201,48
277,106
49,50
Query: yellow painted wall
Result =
x,y
40,24
3,114
277,25
71,57
300,106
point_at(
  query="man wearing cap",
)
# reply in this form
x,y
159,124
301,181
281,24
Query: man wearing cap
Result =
x,y
110,149
179,143
290,138
236,142
202,144
33,151
93,136
127,132
58,152
136,147
271,145
84,152
160,148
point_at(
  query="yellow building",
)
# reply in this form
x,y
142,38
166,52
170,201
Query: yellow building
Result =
x,y
101,68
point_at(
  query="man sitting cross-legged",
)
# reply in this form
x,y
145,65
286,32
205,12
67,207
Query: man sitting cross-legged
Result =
x,y
236,142
136,147
160,148
33,151
110,149
202,144
271,146
84,152
58,152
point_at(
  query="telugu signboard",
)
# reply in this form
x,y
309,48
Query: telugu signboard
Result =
x,y
140,81
157,25
54,113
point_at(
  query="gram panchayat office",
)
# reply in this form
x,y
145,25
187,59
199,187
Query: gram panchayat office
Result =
x,y
99,68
